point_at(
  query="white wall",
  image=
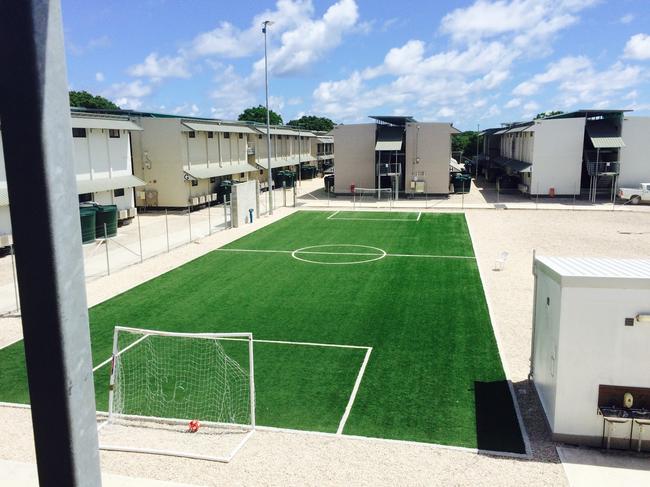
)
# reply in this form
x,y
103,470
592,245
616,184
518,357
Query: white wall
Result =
x,y
596,348
431,144
244,197
545,341
355,159
557,155
635,156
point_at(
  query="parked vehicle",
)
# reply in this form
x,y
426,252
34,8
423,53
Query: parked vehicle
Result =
x,y
635,195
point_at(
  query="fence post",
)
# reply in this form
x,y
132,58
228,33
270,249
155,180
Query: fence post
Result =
x,y
537,197
462,194
573,207
167,230
13,269
209,218
189,219
284,193
328,197
140,238
498,193
225,211
294,196
108,264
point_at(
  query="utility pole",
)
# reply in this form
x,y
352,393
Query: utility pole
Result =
x,y
265,26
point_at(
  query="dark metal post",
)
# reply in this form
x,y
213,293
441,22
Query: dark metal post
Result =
x,y
42,190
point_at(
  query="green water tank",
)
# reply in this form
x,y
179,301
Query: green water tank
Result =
x,y
106,214
87,215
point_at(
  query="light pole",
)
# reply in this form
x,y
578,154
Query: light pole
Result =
x,y
265,25
299,156
478,130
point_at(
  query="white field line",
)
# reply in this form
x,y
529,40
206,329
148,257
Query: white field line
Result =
x,y
279,342
273,429
333,214
376,219
431,256
353,396
419,216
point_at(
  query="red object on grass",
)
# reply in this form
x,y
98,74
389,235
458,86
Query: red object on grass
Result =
x,y
194,426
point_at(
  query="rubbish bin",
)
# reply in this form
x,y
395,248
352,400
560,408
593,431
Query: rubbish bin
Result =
x,y
106,215
87,216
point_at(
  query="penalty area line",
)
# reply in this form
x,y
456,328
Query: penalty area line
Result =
x,y
333,215
322,252
353,396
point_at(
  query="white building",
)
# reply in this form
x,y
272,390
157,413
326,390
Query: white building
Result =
x,y
102,162
184,160
588,152
419,152
591,332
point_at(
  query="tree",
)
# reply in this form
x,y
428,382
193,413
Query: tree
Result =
x,y
258,114
465,142
84,99
311,122
548,114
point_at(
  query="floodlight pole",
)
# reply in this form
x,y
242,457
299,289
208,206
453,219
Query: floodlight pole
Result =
x,y
478,130
37,140
265,25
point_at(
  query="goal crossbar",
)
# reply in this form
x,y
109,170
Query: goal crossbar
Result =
x,y
113,415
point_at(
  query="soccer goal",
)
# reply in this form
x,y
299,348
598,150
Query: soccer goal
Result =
x,y
373,197
180,394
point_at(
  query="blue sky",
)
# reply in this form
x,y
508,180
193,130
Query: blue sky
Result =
x,y
466,62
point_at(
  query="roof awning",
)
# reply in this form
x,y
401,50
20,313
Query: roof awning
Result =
x,y
219,127
103,123
204,171
519,129
4,195
326,140
107,184
500,132
607,142
515,165
389,138
604,135
282,161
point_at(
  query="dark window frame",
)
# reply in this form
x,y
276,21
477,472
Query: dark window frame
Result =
x,y
79,132
114,133
118,192
191,134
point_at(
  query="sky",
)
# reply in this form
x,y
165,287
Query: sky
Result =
x,y
469,62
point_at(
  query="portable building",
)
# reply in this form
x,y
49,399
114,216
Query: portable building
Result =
x,y
591,330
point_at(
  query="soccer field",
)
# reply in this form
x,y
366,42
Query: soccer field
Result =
x,y
403,289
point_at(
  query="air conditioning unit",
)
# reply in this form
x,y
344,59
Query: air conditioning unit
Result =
x,y
201,200
123,214
194,201
133,212
214,196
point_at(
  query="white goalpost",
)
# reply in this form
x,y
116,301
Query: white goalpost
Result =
x,y
373,196
180,394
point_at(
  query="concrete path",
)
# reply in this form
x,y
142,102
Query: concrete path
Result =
x,y
592,468
18,474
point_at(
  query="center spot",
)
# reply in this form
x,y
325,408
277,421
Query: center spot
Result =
x,y
338,254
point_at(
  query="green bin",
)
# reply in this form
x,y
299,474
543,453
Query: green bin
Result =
x,y
88,218
106,214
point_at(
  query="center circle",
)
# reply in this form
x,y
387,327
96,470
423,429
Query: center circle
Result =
x,y
370,254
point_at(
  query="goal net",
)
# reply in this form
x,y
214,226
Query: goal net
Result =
x,y
372,196
181,394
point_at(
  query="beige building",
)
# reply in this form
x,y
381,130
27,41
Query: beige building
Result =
x,y
323,147
102,162
184,160
399,153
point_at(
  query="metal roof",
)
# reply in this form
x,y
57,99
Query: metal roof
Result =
x,y
604,134
284,161
521,128
390,145
500,132
577,269
204,171
219,127
514,164
121,123
389,138
393,120
607,142
326,139
107,184
584,113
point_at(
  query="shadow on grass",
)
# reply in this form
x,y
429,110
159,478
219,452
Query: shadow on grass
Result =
x,y
497,427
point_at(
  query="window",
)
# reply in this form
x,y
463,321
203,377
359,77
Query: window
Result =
x,y
261,172
279,137
259,136
213,180
295,137
210,135
242,175
118,192
241,136
83,198
114,133
195,182
191,135
226,135
78,132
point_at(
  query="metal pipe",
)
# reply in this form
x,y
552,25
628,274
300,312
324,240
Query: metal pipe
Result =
x,y
140,237
15,278
167,229
266,24
189,219
108,262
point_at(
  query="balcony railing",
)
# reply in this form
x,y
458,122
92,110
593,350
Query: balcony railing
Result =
x,y
600,168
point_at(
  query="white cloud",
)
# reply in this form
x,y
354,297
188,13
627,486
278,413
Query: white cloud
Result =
x,y
232,94
638,47
514,103
530,109
93,44
626,19
99,76
187,109
156,67
445,112
565,67
128,95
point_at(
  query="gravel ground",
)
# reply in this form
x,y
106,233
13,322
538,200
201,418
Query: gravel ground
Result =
x,y
279,458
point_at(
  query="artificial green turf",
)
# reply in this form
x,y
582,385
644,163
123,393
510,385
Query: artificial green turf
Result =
x,y
426,319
